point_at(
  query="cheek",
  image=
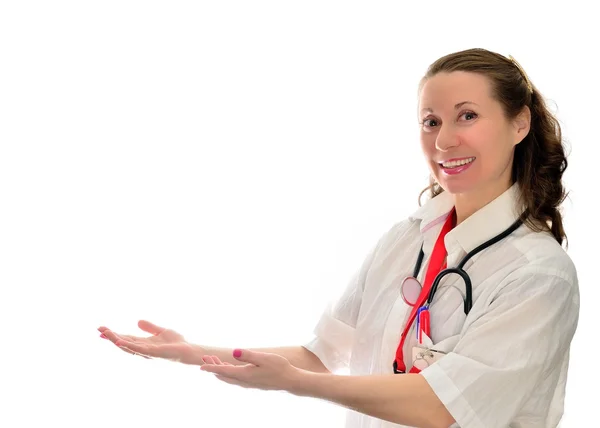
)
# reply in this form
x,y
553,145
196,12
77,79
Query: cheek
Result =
x,y
429,153
494,151
496,147
427,144
483,142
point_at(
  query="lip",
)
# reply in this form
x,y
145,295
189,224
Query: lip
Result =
x,y
455,159
457,169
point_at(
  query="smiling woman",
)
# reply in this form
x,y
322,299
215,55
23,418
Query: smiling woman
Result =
x,y
484,344
501,119
470,144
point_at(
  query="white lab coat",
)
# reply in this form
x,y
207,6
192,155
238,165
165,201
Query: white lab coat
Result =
x,y
506,362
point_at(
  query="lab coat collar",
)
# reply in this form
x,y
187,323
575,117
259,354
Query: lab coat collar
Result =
x,y
482,225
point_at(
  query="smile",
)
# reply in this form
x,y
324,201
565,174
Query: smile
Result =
x,y
456,166
457,163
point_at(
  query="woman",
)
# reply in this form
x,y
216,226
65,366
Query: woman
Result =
x,y
444,354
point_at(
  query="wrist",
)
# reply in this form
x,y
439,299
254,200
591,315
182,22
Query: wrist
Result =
x,y
196,353
306,383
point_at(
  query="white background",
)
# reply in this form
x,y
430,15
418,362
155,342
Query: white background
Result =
x,y
222,168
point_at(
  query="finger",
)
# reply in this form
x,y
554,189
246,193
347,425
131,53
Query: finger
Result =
x,y
213,359
217,360
234,372
114,337
124,349
103,331
103,336
111,335
209,359
130,338
149,327
252,357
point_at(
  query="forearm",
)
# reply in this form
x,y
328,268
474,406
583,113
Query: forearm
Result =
x,y
405,399
298,356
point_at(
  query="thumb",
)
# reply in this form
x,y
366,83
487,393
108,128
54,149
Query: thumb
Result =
x,y
148,327
252,357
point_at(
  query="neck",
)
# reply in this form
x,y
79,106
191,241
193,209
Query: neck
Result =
x,y
466,204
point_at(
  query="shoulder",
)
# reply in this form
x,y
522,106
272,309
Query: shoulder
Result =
x,y
542,270
399,233
542,254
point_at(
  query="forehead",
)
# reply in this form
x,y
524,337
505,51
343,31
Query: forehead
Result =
x,y
444,90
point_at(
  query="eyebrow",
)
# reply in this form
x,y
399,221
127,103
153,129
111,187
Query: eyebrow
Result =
x,y
456,106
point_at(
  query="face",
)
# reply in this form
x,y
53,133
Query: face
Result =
x,y
466,139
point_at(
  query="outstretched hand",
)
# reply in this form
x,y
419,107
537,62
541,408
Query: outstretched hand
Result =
x,y
163,343
263,371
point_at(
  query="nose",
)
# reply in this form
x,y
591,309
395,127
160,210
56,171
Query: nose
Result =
x,y
446,139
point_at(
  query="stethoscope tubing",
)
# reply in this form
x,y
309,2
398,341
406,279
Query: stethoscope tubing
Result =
x,y
468,300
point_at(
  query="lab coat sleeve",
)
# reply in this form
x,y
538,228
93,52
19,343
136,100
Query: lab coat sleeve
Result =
x,y
507,351
334,332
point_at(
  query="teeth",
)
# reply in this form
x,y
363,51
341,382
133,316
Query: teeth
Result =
x,y
454,164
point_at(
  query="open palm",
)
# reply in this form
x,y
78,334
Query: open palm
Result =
x,y
163,343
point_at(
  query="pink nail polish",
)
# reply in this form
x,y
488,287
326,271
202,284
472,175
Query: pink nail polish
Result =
x,y
237,353
103,336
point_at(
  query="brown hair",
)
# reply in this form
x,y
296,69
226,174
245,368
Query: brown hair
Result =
x,y
539,160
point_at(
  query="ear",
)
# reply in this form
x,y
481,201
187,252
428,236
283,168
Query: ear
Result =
x,y
522,125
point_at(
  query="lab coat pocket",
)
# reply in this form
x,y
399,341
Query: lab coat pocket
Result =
x,y
428,353
424,357
446,345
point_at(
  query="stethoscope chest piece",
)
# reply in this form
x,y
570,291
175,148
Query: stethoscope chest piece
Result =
x,y
410,290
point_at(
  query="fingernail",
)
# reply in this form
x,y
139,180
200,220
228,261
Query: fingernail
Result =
x,y
237,353
103,336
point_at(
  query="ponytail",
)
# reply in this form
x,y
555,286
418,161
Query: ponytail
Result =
x,y
538,167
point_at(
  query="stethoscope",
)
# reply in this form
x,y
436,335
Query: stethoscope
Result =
x,y
411,287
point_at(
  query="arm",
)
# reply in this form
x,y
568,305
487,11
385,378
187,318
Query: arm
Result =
x,y
511,353
298,356
503,357
405,399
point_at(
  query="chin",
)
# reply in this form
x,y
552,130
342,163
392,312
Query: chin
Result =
x,y
456,188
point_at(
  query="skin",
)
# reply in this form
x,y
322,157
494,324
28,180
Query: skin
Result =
x,y
450,129
405,399
479,128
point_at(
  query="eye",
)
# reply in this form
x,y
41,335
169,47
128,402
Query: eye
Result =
x,y
469,114
429,123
